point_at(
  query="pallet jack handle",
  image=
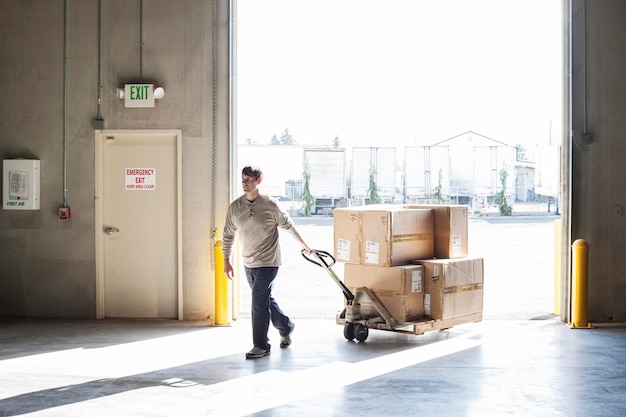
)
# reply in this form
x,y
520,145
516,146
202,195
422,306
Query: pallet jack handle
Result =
x,y
326,261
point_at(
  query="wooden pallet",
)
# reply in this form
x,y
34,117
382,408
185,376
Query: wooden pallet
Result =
x,y
422,326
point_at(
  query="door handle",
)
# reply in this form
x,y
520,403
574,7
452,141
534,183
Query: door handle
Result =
x,y
109,230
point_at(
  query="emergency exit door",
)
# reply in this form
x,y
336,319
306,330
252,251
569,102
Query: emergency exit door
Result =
x,y
138,224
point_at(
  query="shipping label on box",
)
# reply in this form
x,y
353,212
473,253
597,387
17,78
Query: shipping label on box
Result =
x,y
452,287
342,252
398,288
372,252
416,280
451,229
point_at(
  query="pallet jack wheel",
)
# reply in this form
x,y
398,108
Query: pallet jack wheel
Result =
x,y
361,332
348,331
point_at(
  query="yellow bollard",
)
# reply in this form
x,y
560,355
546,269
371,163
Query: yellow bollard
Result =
x,y
557,266
580,282
221,287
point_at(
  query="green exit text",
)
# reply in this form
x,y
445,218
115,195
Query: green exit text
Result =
x,y
139,92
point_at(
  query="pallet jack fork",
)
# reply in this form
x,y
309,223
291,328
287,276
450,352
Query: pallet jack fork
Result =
x,y
356,326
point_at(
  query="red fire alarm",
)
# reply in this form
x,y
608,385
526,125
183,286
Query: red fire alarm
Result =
x,y
64,213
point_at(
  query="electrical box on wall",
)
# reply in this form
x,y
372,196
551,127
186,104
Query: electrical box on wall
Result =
x,y
20,184
64,213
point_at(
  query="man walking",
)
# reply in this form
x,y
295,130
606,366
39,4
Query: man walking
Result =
x,y
256,218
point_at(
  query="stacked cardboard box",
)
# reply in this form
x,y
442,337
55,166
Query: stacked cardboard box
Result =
x,y
382,245
379,235
452,287
377,244
398,288
451,229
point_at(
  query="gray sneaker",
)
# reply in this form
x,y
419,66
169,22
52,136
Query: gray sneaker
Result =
x,y
256,353
285,341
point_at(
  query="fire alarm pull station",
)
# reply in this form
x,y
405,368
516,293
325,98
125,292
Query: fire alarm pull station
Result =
x,y
20,184
64,213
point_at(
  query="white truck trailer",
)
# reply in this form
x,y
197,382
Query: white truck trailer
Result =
x,y
327,173
381,162
425,169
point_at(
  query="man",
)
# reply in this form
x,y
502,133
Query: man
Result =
x,y
256,218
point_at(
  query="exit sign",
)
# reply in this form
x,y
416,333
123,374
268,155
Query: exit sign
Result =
x,y
139,95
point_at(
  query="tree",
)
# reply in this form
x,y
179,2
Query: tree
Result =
x,y
248,141
503,206
286,138
336,142
274,140
438,190
373,189
308,199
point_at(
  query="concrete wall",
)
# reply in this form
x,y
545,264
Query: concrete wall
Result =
x,y
47,267
598,210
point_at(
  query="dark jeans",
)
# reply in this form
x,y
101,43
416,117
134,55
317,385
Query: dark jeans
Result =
x,y
264,307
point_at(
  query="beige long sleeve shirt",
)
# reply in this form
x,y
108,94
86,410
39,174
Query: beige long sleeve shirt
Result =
x,y
256,224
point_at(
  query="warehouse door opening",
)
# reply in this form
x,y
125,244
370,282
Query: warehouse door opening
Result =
x,y
428,102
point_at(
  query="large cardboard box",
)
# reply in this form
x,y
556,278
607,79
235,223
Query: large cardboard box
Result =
x,y
346,230
383,235
451,229
398,288
452,287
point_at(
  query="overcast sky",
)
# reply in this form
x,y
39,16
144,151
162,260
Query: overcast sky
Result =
x,y
399,72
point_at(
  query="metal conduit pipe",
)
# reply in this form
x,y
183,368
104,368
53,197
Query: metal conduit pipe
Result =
x,y
214,124
232,149
65,103
99,123
141,40
222,306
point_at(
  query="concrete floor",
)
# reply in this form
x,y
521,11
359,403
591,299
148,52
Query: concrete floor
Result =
x,y
519,361
170,368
